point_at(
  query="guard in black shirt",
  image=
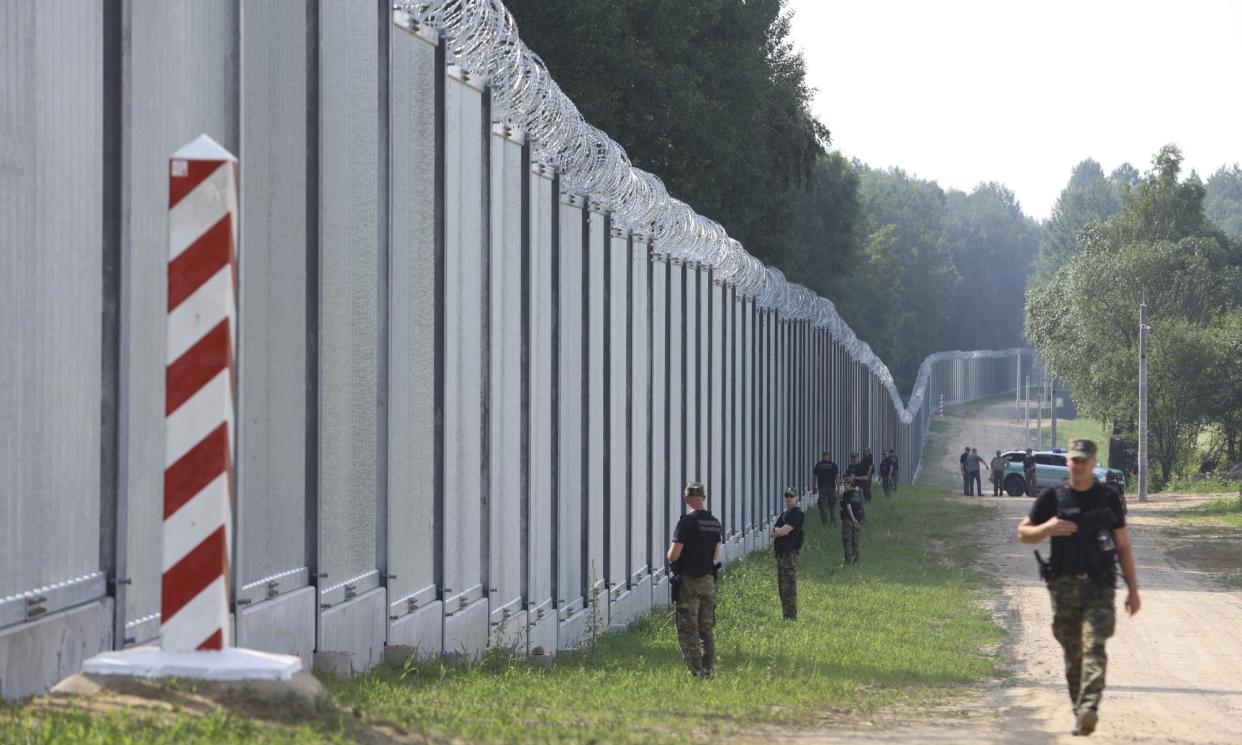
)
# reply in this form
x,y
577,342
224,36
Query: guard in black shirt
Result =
x,y
867,472
1087,525
827,482
692,556
787,542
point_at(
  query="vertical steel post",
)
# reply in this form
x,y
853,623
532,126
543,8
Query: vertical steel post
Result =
x,y
1026,412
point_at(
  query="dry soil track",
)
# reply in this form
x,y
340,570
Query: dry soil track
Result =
x,y
1175,669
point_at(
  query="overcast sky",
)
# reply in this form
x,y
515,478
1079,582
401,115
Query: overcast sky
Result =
x,y
965,91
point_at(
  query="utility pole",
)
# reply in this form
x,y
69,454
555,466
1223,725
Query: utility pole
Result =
x,y
1017,390
1052,409
1142,434
1026,412
1039,410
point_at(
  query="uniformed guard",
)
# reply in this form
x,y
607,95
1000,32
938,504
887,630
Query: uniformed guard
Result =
x,y
886,472
894,468
867,472
692,556
827,483
786,543
851,519
1087,525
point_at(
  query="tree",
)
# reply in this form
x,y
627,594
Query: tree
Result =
x,y
1084,322
1222,200
830,230
709,95
993,245
1089,197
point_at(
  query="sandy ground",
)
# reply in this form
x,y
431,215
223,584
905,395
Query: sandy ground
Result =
x,y
1175,669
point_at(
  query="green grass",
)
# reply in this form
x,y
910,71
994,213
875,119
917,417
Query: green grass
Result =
x,y
1226,512
898,628
999,399
1201,486
905,627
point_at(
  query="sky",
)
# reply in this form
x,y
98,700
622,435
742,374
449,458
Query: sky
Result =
x,y
966,91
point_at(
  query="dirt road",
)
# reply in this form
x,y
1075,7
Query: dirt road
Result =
x,y
1175,669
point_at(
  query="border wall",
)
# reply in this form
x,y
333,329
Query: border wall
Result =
x,y
471,383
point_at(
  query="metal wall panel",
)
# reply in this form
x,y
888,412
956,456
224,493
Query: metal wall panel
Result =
x,y
51,199
180,67
677,389
572,488
691,312
541,302
618,371
271,433
703,372
465,135
660,453
722,498
349,187
504,489
411,318
596,256
639,403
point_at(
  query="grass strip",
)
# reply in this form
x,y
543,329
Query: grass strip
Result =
x,y
906,627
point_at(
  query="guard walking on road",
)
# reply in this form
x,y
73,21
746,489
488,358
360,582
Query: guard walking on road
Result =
x,y
786,543
692,556
827,483
1087,525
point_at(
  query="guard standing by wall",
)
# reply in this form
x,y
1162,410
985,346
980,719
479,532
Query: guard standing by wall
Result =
x,y
1087,525
962,465
896,467
786,543
886,472
692,557
868,472
827,483
1028,472
851,519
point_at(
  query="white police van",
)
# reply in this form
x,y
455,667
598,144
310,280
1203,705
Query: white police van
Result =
x,y
1051,468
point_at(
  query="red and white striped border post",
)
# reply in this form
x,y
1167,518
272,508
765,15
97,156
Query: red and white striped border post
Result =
x,y
199,411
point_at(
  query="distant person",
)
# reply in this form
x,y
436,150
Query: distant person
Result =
x,y
851,520
886,472
854,477
786,543
1028,472
692,556
962,466
868,473
827,483
1087,525
998,473
974,464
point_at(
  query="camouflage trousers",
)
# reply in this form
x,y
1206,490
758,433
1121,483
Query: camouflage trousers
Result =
x,y
696,623
850,537
827,505
787,583
1083,617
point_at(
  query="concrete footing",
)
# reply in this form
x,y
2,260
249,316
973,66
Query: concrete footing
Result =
x,y
421,631
282,625
358,627
35,655
465,631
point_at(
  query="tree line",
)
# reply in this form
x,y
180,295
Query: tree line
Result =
x,y
1176,244
711,96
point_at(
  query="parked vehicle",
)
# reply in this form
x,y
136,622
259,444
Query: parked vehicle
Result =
x,y
1051,468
